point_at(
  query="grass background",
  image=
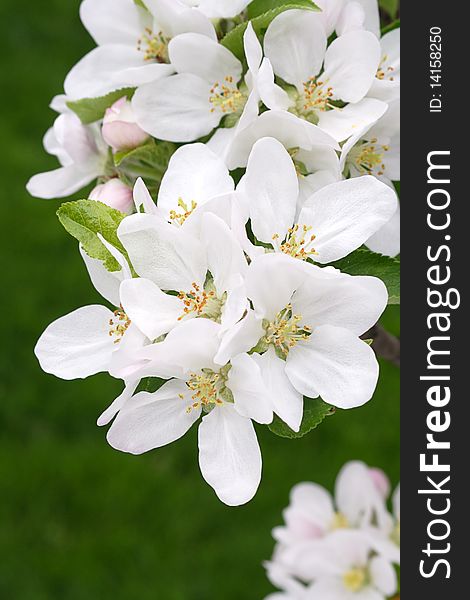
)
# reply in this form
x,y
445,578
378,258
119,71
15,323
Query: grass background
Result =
x,y
80,521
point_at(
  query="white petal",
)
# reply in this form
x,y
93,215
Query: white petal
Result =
x,y
143,199
174,18
345,214
272,188
311,510
167,255
334,298
352,18
236,305
336,365
383,576
372,17
229,455
271,282
125,362
291,131
194,174
222,9
242,337
253,49
61,182
351,63
225,258
176,109
352,120
387,240
286,402
272,95
198,55
153,311
114,21
251,397
330,13
295,43
111,67
149,421
77,345
106,283
108,415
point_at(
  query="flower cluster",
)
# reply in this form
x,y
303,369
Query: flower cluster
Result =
x,y
235,164
339,548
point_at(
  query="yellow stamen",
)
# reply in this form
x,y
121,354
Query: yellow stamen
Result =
x,y
154,46
118,325
226,97
181,217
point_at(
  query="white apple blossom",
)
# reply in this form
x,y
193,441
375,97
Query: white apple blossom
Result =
x,y
330,224
296,45
306,323
120,130
114,193
132,43
386,85
80,150
219,9
207,87
229,455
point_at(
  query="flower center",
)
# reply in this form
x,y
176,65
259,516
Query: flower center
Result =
x,y
316,96
118,325
154,46
298,242
368,156
186,211
285,331
209,389
339,522
355,579
202,302
384,72
226,97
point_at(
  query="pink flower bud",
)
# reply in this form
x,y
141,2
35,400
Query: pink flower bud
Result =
x,y
380,481
120,130
115,194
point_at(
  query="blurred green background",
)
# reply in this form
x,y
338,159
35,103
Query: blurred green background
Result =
x,y
80,521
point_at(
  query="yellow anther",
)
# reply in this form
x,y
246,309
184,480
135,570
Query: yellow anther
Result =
x,y
355,579
226,97
186,211
154,46
298,242
118,324
285,331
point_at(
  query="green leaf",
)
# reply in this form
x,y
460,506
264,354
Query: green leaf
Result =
x,y
149,161
90,110
150,384
315,410
365,262
261,13
84,219
390,27
390,7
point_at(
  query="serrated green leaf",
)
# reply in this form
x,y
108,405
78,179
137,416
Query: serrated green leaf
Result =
x,y
89,110
149,161
84,219
234,39
365,262
315,411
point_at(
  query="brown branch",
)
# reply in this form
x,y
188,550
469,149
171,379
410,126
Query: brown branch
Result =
x,y
385,344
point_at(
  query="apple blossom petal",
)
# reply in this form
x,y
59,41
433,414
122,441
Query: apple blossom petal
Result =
x,y
272,95
175,18
149,421
330,13
194,174
346,214
383,575
236,305
334,364
198,55
61,182
167,255
229,455
271,282
352,302
372,16
153,311
386,241
272,188
105,282
225,258
143,199
125,361
310,505
77,345
108,415
295,43
176,109
222,9
111,67
351,63
352,120
352,18
286,402
253,49
241,337
250,395
114,21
